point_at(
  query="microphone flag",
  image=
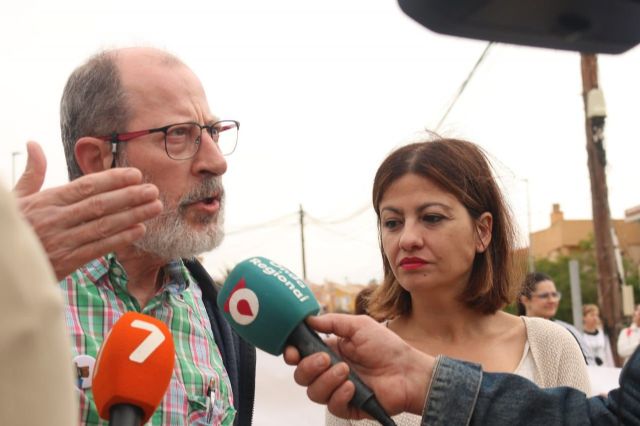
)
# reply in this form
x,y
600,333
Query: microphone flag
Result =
x,y
264,302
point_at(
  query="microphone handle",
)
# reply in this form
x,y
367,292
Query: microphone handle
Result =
x,y
125,415
308,342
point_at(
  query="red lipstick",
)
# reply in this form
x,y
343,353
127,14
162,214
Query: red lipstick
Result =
x,y
410,263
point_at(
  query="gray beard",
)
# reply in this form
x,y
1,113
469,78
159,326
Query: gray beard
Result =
x,y
170,236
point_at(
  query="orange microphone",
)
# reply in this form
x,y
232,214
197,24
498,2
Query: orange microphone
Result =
x,y
133,370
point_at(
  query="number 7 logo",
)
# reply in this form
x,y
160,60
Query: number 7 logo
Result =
x,y
149,344
134,365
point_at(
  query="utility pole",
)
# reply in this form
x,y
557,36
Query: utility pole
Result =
x,y
609,291
304,258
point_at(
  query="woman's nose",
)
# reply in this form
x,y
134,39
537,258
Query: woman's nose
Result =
x,y
411,238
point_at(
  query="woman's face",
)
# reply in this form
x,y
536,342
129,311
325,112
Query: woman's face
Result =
x,y
591,319
544,300
428,237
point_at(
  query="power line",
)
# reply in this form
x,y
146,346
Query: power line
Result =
x,y
444,117
284,220
464,85
345,235
277,221
352,216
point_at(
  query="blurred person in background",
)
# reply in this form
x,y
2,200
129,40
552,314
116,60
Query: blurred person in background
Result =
x,y
595,337
446,239
540,298
629,337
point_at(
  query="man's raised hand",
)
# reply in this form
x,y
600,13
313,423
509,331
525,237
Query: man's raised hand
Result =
x,y
88,217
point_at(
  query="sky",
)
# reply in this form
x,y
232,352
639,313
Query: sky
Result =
x,y
323,92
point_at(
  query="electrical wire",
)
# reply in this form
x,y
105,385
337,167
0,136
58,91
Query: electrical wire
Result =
x,y
464,85
344,235
352,216
273,222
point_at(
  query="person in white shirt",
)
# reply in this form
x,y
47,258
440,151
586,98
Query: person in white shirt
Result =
x,y
595,337
629,337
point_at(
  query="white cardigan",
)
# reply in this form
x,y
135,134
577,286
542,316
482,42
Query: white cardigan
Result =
x,y
557,356
553,356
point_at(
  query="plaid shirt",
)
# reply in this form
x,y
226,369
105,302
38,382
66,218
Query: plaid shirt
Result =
x,y
96,297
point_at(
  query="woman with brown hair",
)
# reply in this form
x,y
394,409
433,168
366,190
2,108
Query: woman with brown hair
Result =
x,y
447,240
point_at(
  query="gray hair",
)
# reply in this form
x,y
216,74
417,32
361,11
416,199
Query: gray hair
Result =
x,y
93,104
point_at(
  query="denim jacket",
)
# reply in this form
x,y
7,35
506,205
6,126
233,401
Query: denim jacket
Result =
x,y
461,394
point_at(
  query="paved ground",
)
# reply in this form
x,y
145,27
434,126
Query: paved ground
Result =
x,y
279,400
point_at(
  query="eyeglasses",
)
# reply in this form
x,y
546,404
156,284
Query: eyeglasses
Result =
x,y
549,295
182,140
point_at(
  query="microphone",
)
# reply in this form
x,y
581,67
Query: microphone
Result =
x,y
266,304
133,370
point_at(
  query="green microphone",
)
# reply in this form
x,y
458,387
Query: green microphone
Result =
x,y
266,304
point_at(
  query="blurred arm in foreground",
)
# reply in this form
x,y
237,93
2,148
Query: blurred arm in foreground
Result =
x,y
35,360
446,391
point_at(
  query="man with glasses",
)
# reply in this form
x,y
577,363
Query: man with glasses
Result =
x,y
145,113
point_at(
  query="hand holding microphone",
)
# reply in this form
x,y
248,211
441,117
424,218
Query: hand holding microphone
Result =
x,y
398,373
267,304
133,370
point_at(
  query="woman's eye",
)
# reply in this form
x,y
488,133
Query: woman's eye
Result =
x,y
432,218
390,223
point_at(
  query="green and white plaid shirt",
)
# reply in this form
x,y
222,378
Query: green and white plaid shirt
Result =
x,y
96,297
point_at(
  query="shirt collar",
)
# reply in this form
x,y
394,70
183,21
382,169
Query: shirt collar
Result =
x,y
176,275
